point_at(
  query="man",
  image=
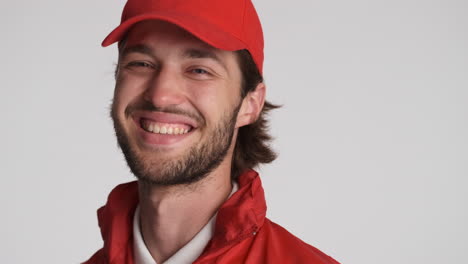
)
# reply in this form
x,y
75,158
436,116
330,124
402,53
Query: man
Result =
x,y
189,114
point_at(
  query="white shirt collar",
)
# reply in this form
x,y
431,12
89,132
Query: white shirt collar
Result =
x,y
187,254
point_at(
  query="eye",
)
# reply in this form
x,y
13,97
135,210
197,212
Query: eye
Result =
x,y
142,64
199,71
139,66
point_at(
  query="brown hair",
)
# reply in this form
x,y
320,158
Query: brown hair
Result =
x,y
252,144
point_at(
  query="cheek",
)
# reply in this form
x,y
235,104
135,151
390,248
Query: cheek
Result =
x,y
126,91
120,100
213,101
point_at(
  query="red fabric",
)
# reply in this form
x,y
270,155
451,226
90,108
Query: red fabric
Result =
x,y
227,24
242,234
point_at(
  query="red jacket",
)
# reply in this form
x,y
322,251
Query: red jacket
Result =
x,y
242,232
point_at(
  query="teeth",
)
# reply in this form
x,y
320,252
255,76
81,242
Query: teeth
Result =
x,y
156,129
163,129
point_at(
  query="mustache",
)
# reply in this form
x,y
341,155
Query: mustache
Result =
x,y
171,109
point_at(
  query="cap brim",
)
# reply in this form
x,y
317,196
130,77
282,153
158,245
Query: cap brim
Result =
x,y
203,30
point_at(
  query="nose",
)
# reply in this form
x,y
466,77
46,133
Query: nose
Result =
x,y
165,88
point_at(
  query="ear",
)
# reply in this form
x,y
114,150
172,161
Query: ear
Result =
x,y
251,106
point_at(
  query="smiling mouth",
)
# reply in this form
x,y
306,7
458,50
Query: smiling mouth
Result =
x,y
164,128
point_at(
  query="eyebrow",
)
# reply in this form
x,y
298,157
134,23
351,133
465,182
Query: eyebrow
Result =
x,y
200,54
203,54
139,48
191,53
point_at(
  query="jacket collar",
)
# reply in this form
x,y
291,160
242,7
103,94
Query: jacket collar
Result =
x,y
242,214
239,217
115,221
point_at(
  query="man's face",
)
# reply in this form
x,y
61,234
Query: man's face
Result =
x,y
175,104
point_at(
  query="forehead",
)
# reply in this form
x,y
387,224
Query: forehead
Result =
x,y
160,38
161,33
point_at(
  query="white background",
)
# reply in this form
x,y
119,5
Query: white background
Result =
x,y
372,137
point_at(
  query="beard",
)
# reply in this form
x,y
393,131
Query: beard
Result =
x,y
189,167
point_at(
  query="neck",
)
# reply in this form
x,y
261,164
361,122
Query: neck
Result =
x,y
170,216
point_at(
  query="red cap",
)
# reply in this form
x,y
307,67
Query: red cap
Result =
x,y
224,24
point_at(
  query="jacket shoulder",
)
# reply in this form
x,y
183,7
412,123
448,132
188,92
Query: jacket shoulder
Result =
x,y
284,246
115,220
97,258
